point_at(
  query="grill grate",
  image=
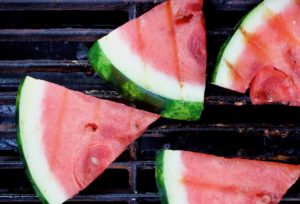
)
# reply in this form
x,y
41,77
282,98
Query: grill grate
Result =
x,y
48,40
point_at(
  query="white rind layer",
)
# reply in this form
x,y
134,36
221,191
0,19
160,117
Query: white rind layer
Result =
x,y
31,132
257,17
118,51
173,170
223,75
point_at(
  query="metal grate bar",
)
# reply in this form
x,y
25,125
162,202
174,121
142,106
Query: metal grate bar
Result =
x,y
64,5
13,164
9,97
128,198
64,34
229,5
74,34
109,4
289,131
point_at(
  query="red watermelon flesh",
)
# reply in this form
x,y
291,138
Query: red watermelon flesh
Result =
x,y
270,85
211,179
171,38
98,132
274,43
196,178
80,135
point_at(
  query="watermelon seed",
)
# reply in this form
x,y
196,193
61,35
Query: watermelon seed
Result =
x,y
95,160
91,127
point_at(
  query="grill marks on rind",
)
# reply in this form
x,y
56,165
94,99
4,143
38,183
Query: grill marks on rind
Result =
x,y
256,44
141,47
234,72
171,19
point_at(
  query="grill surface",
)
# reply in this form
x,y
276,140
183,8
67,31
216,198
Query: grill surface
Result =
x,y
49,39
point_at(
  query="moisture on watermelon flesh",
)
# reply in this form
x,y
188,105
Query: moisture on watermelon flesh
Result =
x,y
270,85
264,54
67,138
196,178
158,59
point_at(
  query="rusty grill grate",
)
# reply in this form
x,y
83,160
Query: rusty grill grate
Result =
x,y
49,39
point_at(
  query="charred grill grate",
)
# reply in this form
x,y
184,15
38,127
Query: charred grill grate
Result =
x,y
49,39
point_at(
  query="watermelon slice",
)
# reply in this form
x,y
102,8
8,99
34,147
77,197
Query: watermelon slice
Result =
x,y
195,178
158,59
264,54
67,138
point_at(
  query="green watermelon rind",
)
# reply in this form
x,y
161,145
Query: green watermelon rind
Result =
x,y
20,148
219,58
223,50
159,175
168,108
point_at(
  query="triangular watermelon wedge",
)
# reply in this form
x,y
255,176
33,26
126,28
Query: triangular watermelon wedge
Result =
x,y
264,54
158,59
195,178
67,138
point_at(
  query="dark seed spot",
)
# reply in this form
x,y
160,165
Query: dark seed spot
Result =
x,y
91,127
184,18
